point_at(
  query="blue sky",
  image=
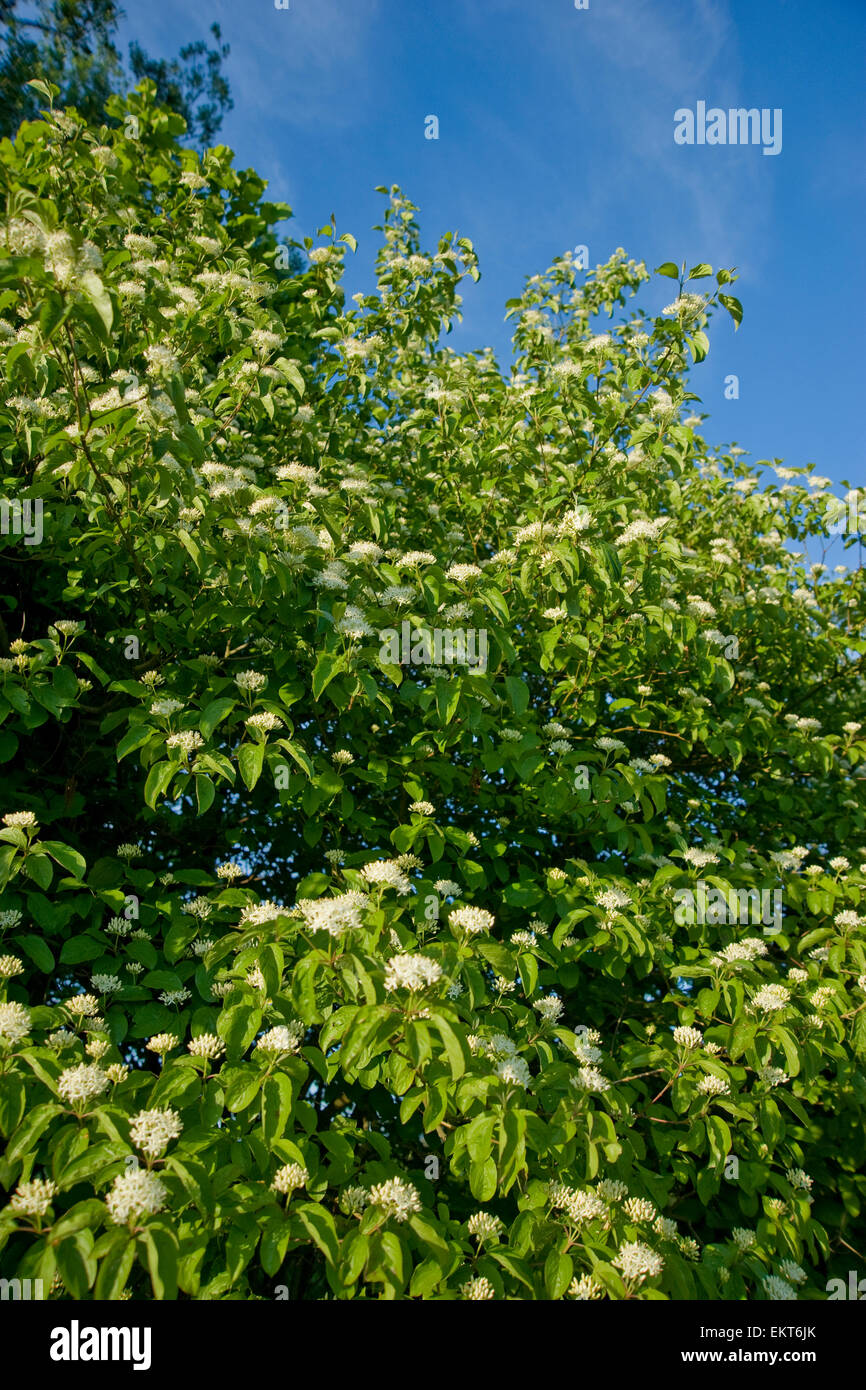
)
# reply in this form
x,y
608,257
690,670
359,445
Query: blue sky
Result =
x,y
555,130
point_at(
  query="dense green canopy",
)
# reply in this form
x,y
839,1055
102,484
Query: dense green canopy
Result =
x,y
396,750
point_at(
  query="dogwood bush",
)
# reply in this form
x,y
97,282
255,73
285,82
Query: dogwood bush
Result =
x,y
337,964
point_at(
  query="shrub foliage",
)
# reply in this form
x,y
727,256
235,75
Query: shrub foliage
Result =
x,y
340,966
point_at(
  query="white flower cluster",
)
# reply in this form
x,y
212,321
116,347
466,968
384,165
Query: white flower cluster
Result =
x,y
257,914
638,1262
778,1289
478,1288
585,1288
580,1207
612,1190
385,872
612,899
688,1037
106,984
264,722
485,1226
639,1209
411,972
590,1079
290,1176
774,1076
135,1194
473,920
686,306
82,1005
250,682
549,1008
770,998
712,1085
447,888
746,950
187,740
397,1198
33,1198
641,531
699,858
151,1130
206,1045
285,1037
14,1023
82,1083
334,915
509,1066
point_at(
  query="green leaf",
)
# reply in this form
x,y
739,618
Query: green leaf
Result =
x,y
789,1047
482,1180
80,948
319,1225
45,89
668,268
299,754
447,697
479,1137
518,694
425,1278
456,1049
431,1238
499,956
719,1135
205,791
69,858
251,758
238,1024
91,285
328,666
160,1251
135,737
276,1106
13,1101
38,951
157,783
700,345
115,1265
241,1246
528,967
355,1250
734,308
361,1033
76,1264
38,868
292,375
558,1271
214,714
94,1159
